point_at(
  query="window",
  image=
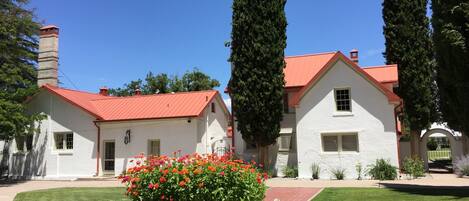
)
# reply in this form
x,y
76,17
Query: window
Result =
x,y
154,147
213,108
19,143
340,142
29,142
342,99
63,141
284,142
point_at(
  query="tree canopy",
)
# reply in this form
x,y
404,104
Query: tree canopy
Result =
x,y
451,38
409,45
257,79
194,80
18,56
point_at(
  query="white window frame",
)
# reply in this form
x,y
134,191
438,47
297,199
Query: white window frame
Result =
x,y
350,100
339,142
149,146
64,141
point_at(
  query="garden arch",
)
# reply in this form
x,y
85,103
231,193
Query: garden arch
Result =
x,y
454,140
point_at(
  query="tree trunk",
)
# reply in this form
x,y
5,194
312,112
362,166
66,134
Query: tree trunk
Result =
x,y
415,143
263,156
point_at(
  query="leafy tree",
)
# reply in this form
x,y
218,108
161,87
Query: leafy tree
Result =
x,y
408,44
257,79
18,56
194,80
451,38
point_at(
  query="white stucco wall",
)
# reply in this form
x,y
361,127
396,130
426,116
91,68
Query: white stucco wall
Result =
x,y
372,118
44,161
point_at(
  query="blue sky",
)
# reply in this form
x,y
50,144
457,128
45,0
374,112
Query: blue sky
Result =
x,y
108,43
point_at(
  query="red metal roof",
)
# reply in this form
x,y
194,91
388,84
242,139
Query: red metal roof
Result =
x,y
318,73
384,74
158,106
300,69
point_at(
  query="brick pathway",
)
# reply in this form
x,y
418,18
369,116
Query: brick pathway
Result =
x,y
290,194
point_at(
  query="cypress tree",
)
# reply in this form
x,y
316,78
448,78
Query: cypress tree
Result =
x,y
257,79
450,23
409,45
18,56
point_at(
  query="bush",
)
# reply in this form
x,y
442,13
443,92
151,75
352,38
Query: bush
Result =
x,y
290,172
414,167
316,170
432,144
339,173
193,177
382,170
462,166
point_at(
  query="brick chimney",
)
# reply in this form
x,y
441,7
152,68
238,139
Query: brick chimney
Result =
x,y
48,59
354,55
138,92
103,91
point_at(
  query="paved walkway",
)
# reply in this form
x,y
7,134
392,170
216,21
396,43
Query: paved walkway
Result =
x,y
280,188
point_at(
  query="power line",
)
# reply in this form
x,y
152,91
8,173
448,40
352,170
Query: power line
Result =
x,y
69,80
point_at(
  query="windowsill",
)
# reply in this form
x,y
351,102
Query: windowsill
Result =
x,y
20,152
340,153
64,152
342,114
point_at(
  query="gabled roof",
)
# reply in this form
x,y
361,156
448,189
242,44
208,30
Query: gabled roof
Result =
x,y
319,73
384,74
158,106
300,69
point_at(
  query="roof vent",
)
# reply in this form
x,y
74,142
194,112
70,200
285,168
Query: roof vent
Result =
x,y
354,55
138,92
103,91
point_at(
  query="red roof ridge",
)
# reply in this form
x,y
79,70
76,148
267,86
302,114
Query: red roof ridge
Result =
x,y
311,54
76,90
380,66
162,94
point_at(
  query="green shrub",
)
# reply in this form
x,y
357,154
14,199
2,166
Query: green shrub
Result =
x,y
462,166
432,144
339,173
290,172
382,170
414,167
193,177
359,169
316,170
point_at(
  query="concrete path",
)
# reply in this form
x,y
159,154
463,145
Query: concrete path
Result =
x,y
290,194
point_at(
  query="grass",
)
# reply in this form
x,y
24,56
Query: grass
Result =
x,y
384,194
74,194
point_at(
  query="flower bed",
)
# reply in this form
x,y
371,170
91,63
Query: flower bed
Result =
x,y
193,177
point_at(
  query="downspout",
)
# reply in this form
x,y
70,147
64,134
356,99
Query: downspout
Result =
x,y
98,153
398,137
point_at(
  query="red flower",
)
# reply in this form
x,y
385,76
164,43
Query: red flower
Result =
x,y
182,183
222,174
155,186
162,179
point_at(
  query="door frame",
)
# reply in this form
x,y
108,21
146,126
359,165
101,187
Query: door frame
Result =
x,y
103,158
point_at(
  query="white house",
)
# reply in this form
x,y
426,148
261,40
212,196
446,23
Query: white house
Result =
x,y
336,115
92,134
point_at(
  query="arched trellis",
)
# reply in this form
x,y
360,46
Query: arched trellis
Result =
x,y
455,143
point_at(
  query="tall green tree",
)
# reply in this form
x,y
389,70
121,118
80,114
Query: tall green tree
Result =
x,y
451,38
258,40
194,80
18,55
408,44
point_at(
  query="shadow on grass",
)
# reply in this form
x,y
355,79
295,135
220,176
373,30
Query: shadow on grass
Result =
x,y
455,191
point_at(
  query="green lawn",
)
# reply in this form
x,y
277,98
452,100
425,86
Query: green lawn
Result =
x,y
384,194
74,194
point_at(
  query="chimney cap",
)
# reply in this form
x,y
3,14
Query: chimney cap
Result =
x,y
354,50
138,92
50,26
103,91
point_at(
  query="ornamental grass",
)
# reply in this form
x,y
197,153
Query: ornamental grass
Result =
x,y
194,177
